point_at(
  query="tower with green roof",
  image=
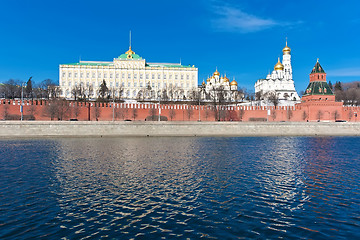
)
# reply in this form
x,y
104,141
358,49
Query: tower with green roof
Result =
x,y
318,85
318,101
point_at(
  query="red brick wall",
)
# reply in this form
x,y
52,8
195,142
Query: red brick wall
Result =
x,y
40,110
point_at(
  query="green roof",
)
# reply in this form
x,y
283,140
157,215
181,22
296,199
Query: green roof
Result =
x,y
317,68
90,63
318,88
133,56
167,65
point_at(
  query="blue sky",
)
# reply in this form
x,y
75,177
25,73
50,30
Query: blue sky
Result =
x,y
241,38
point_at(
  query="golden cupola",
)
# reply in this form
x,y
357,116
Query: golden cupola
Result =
x,y
216,73
278,66
226,79
233,83
286,50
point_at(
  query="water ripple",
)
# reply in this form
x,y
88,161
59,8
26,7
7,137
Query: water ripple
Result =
x,y
166,188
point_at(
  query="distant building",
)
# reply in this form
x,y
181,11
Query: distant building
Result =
x,y
129,76
319,100
220,84
280,82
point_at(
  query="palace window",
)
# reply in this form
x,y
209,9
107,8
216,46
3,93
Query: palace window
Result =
x,y
182,77
147,76
176,76
158,76
75,75
129,84
135,84
63,74
187,77
69,84
93,75
164,85
158,85
87,75
123,75
182,85
170,76
105,75
117,75
153,76
111,75
117,84
81,75
153,85
123,84
99,75
141,76
69,74
135,76
164,76
129,75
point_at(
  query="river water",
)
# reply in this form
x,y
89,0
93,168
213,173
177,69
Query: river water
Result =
x,y
179,188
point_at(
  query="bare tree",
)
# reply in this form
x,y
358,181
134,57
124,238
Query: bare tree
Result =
x,y
319,115
96,111
273,98
76,110
134,113
172,112
336,115
5,111
304,115
273,114
103,91
152,113
289,114
189,111
241,113
31,111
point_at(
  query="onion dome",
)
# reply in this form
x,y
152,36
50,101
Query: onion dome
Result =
x,y
278,66
226,79
203,83
286,50
208,79
216,73
233,83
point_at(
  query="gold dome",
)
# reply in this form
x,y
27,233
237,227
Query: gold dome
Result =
x,y
203,83
233,83
208,80
286,50
129,52
226,79
216,73
278,66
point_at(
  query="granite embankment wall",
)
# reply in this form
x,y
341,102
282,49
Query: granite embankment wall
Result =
x,y
25,129
65,110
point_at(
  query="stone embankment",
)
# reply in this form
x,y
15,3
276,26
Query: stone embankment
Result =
x,y
39,129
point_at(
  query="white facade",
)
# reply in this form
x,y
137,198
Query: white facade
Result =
x,y
130,77
216,82
280,81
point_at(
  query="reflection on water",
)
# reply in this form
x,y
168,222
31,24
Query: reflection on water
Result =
x,y
152,188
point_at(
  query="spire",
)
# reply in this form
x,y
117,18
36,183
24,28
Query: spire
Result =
x,y
130,39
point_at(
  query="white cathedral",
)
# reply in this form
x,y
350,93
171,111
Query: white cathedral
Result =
x,y
280,82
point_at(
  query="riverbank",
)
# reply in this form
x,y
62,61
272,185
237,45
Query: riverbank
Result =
x,y
26,129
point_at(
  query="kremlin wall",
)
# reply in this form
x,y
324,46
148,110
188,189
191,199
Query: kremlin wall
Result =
x,y
312,110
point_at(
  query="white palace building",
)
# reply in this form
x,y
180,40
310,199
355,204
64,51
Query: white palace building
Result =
x,y
130,76
279,82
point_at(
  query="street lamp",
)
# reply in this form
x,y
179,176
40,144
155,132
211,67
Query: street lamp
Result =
x,y
159,109
22,101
